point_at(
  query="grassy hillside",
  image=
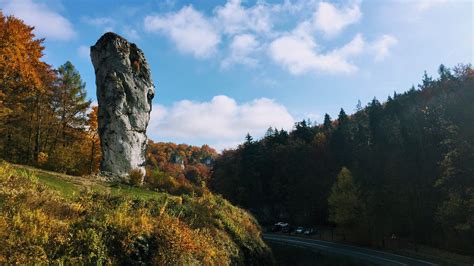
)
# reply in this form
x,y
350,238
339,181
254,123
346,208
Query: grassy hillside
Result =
x,y
47,217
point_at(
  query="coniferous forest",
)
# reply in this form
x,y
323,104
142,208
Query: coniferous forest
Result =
x,y
401,167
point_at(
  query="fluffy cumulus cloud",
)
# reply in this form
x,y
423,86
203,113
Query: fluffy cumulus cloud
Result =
x,y
48,24
189,29
242,51
299,55
233,18
221,118
332,20
247,33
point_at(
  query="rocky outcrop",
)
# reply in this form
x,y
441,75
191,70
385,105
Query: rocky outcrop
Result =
x,y
124,93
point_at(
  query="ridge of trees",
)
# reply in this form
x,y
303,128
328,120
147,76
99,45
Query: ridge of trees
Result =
x,y
410,160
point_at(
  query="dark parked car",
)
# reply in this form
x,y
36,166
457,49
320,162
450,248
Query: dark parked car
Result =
x,y
286,228
300,230
309,231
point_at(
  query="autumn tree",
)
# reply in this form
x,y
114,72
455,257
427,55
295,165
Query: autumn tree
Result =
x,y
94,140
345,202
42,111
24,80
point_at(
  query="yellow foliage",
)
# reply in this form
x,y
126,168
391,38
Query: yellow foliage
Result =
x,y
42,158
38,226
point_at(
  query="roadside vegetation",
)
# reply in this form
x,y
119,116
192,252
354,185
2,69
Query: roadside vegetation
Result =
x,y
45,218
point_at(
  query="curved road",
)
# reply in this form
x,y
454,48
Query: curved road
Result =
x,y
374,256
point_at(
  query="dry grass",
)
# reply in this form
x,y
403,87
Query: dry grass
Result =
x,y
51,218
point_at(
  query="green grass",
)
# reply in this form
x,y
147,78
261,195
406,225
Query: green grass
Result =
x,y
66,189
134,192
70,187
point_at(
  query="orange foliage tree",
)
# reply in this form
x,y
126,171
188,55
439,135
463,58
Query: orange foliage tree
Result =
x,y
24,79
42,111
94,140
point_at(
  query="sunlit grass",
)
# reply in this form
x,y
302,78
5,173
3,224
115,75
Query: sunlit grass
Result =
x,y
70,187
52,218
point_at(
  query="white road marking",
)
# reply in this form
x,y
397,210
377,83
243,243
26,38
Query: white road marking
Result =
x,y
341,250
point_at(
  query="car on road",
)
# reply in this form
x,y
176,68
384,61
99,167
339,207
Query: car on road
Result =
x,y
309,231
278,227
300,230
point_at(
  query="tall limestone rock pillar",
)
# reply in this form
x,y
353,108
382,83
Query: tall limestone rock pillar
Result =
x,y
124,94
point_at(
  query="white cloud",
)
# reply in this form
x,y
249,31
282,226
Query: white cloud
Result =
x,y
221,122
84,51
189,29
47,23
234,18
381,47
354,47
298,53
249,30
242,51
331,20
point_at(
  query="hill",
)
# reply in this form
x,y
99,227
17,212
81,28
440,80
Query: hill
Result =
x,y
398,169
51,218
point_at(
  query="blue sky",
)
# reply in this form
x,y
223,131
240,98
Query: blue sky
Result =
x,y
228,67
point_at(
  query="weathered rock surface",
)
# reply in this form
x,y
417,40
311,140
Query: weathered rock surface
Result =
x,y
124,93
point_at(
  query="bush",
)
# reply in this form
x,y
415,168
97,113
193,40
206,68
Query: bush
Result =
x,y
39,226
161,181
135,177
42,158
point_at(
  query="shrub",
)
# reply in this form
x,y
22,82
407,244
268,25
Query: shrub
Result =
x,y
135,177
39,226
42,158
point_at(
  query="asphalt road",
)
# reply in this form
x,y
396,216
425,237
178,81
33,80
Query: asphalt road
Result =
x,y
365,254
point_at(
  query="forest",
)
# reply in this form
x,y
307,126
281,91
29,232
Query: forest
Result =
x,y
403,167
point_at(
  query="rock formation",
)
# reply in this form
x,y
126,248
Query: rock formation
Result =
x,y
124,94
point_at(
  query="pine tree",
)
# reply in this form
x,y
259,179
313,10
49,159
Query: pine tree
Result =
x,y
327,125
70,104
